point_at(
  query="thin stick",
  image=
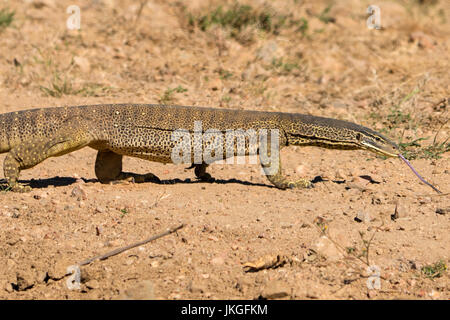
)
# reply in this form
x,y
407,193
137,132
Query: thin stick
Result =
x,y
137,244
417,174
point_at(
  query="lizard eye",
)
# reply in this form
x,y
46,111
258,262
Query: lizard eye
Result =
x,y
358,136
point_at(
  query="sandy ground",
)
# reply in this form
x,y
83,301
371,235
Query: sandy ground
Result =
x,y
320,242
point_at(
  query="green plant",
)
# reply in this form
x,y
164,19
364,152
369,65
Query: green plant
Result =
x,y
123,212
94,90
6,18
324,15
58,87
414,150
225,74
397,117
168,94
284,67
303,26
435,270
239,16
226,99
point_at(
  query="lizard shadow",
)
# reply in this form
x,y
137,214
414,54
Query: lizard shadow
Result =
x,y
67,181
45,183
214,181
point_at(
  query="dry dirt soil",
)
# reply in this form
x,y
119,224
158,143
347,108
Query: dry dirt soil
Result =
x,y
313,57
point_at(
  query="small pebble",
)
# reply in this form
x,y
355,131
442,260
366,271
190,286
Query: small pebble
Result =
x,y
92,284
363,216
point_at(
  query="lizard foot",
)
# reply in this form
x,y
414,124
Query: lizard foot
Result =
x,y
20,188
148,177
206,177
302,183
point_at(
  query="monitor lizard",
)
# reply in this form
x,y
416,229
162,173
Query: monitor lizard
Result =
x,y
144,131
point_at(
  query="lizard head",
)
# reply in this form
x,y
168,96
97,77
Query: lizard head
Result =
x,y
336,134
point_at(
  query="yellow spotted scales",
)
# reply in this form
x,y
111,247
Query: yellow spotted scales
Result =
x,y
144,131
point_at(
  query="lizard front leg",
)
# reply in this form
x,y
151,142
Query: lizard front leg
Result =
x,y
279,180
108,169
28,154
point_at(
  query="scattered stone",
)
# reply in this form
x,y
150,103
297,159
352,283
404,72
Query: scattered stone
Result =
x,y
358,184
217,261
411,282
377,199
275,289
339,104
25,280
99,209
285,225
212,238
423,41
340,175
215,84
59,269
372,294
195,287
435,295
142,291
115,243
363,216
175,296
254,71
83,64
374,178
78,192
12,239
327,249
39,4
267,52
300,170
9,287
442,210
424,200
92,284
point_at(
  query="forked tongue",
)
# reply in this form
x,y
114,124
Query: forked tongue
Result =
x,y
417,174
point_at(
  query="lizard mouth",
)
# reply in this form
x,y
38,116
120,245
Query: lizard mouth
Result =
x,y
389,150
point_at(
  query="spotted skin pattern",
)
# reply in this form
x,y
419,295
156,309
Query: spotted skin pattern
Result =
x,y
144,131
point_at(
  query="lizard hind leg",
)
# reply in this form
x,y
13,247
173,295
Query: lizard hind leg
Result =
x,y
200,172
108,169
